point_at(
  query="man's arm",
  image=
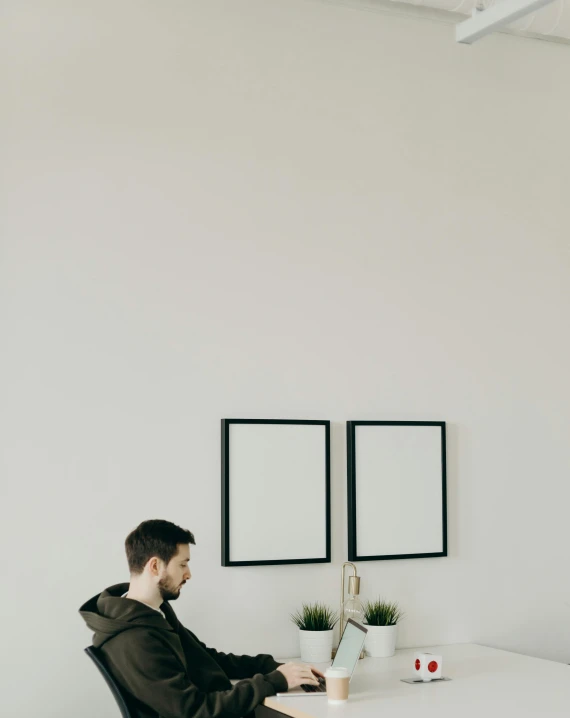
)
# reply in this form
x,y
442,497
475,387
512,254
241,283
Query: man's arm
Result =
x,y
240,666
153,674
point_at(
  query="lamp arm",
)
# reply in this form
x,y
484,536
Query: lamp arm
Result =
x,y
341,621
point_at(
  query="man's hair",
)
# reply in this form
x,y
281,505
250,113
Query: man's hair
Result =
x,y
154,538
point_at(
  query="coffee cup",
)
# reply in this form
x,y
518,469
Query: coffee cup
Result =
x,y
337,684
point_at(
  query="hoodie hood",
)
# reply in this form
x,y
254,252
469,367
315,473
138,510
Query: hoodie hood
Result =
x,y
108,614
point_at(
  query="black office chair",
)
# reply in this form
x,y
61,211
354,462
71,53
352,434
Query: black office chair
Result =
x,y
122,701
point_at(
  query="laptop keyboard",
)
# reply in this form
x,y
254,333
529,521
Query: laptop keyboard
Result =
x,y
321,688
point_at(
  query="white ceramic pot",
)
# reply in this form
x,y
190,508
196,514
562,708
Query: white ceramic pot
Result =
x,y
316,646
380,641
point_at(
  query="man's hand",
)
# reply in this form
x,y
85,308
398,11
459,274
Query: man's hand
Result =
x,y
298,674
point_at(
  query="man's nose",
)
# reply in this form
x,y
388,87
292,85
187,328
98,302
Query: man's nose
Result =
x,y
187,575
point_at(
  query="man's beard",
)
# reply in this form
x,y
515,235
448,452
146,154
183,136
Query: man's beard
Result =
x,y
168,591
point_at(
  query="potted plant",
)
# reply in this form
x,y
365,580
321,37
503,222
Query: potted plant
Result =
x,y
382,619
315,622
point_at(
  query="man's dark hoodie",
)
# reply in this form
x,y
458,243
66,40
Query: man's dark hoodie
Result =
x,y
166,670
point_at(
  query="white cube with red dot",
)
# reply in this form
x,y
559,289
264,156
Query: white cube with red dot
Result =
x,y
427,666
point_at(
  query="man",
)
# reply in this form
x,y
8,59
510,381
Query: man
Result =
x,y
165,669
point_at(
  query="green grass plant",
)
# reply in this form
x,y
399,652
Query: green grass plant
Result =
x,y
315,617
382,613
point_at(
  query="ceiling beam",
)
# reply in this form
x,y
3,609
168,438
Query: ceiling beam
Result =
x,y
483,22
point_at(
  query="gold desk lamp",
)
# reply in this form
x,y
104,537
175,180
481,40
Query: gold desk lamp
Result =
x,y
351,607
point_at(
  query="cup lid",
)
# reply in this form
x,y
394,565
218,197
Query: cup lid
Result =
x,y
336,672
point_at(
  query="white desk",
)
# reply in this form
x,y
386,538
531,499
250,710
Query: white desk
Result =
x,y
486,683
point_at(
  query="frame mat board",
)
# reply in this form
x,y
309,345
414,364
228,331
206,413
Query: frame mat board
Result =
x,y
275,492
397,506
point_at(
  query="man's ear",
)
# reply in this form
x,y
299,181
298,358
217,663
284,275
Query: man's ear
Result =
x,y
153,566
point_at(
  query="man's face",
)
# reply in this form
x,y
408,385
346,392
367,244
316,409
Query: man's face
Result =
x,y
175,574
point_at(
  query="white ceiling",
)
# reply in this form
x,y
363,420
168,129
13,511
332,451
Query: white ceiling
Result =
x,y
549,23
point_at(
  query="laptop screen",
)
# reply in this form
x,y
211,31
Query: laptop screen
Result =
x,y
350,645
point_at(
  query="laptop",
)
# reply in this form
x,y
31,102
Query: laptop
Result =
x,y
347,655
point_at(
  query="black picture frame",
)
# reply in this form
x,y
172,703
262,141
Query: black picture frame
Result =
x,y
226,425
351,432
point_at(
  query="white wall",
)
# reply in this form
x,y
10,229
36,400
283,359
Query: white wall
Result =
x,y
275,208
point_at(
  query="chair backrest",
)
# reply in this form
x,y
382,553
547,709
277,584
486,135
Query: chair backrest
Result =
x,y
97,658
